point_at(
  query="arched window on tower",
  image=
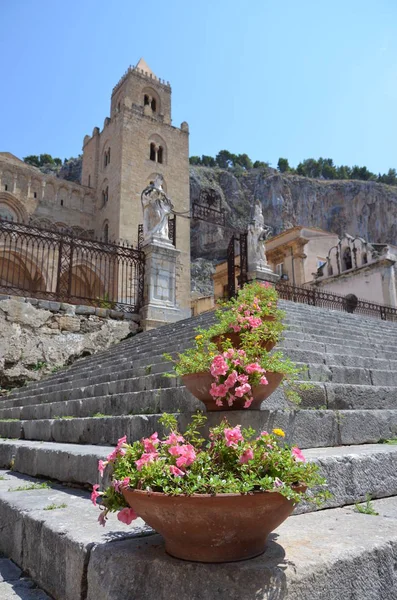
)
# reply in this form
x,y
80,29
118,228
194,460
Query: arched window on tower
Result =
x,y
153,152
160,154
146,100
153,104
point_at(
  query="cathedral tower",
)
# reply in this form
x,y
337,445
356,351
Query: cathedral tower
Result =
x,y
138,142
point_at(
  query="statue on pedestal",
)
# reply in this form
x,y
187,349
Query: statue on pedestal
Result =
x,y
156,208
258,232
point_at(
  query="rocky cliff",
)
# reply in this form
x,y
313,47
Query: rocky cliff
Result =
x,y
362,208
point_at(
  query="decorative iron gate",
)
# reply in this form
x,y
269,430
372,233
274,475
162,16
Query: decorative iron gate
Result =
x,y
242,278
48,264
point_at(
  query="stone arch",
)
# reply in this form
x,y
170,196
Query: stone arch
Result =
x,y
18,270
35,188
151,99
85,282
49,192
42,223
14,206
347,259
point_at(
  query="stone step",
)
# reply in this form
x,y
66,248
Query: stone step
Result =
x,y
334,553
351,471
306,428
343,396
14,584
117,383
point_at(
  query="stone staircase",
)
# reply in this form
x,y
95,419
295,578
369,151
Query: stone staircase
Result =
x,y
59,428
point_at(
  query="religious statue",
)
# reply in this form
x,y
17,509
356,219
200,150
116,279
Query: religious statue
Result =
x,y
258,232
156,208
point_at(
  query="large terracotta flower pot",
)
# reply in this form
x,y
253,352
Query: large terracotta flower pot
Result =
x,y
199,385
220,528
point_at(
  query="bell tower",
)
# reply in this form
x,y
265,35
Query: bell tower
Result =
x,y
137,143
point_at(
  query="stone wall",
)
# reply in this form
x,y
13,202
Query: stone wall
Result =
x,y
38,336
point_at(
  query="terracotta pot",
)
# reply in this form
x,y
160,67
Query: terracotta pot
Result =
x,y
235,340
199,385
220,528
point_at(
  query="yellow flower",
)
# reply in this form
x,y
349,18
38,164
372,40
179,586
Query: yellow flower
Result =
x,y
198,337
279,432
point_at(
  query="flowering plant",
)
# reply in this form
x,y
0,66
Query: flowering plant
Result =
x,y
233,460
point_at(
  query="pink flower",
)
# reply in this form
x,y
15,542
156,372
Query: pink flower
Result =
x,y
174,439
175,471
233,436
229,353
127,515
146,459
254,322
278,483
236,328
263,381
187,455
236,362
248,402
122,441
231,399
264,433
151,442
231,379
246,456
247,313
218,402
254,368
95,494
218,390
297,454
119,485
102,518
243,378
243,389
241,352
218,366
102,466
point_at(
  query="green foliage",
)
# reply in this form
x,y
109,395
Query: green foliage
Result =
x,y
368,508
33,160
42,160
30,486
55,506
38,366
283,165
232,461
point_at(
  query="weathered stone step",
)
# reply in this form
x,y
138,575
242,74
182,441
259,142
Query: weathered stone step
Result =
x,y
333,554
351,471
306,428
130,403
14,583
343,396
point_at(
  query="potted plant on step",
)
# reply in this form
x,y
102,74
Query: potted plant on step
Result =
x,y
215,500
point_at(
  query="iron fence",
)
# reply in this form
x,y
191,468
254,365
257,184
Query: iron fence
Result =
x,y
350,303
53,265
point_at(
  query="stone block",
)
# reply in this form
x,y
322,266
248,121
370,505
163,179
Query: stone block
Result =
x,y
116,314
84,310
69,323
132,317
68,308
45,304
102,312
55,306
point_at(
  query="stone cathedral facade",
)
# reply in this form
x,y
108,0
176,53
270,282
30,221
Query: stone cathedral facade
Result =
x,y
137,142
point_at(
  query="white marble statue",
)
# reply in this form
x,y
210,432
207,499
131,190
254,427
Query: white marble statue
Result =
x,y
156,208
257,233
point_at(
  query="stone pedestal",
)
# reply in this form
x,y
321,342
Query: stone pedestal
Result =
x,y
160,305
256,273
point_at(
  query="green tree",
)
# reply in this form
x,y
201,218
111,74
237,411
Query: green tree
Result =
x,y
195,160
58,161
32,159
225,159
208,161
260,164
283,165
243,160
46,159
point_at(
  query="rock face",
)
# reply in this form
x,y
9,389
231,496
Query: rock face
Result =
x,y
33,341
361,208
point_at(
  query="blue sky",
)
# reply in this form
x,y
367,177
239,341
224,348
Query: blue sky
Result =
x,y
296,79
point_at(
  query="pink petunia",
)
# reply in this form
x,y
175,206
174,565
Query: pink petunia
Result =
x,y
263,380
246,456
236,328
146,459
231,379
243,389
102,466
297,454
173,439
175,471
218,366
233,436
127,515
229,353
218,402
187,455
248,402
95,494
217,391
254,368
254,322
150,444
243,378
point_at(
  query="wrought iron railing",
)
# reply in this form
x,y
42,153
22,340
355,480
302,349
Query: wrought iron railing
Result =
x,y
350,303
47,264
171,232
